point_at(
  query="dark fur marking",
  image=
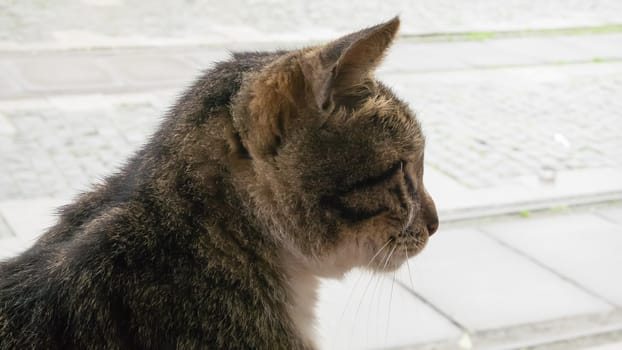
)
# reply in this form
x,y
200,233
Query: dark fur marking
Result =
x,y
397,191
347,213
411,187
373,180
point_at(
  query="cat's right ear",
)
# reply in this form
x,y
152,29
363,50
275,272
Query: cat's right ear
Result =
x,y
345,62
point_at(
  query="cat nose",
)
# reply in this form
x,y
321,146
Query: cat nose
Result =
x,y
431,216
432,227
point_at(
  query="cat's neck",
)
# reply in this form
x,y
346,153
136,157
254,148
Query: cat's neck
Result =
x,y
302,286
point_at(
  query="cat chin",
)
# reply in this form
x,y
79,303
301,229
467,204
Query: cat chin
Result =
x,y
369,255
335,268
392,264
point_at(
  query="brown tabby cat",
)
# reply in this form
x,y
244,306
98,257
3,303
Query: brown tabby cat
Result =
x,y
272,170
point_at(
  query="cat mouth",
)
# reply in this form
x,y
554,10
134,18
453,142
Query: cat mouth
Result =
x,y
412,241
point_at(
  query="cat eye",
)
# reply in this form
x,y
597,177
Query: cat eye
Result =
x,y
354,214
374,180
349,213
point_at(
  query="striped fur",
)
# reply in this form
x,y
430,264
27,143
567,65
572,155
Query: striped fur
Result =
x,y
272,169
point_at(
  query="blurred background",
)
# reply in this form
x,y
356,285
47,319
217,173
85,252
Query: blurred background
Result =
x,y
521,102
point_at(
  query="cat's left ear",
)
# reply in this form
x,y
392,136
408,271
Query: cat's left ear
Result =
x,y
346,62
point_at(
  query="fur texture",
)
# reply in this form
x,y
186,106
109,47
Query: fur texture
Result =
x,y
272,170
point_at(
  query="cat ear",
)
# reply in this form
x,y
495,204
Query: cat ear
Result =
x,y
347,61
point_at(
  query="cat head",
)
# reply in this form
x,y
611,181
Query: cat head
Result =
x,y
332,159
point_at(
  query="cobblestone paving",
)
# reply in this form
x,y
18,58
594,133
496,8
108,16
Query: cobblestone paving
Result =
x,y
223,21
53,152
483,130
490,132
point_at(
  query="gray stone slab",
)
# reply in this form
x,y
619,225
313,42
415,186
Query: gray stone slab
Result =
x,y
546,49
28,219
9,87
6,127
206,59
484,285
611,346
480,54
367,311
604,46
12,246
434,56
63,72
152,69
5,230
612,214
582,247
417,57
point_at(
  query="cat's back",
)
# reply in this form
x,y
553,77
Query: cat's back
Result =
x,y
69,285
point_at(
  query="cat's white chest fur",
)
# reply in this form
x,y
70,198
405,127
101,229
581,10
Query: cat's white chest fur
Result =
x,y
303,289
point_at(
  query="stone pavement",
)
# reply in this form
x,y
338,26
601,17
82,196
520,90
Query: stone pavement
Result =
x,y
115,23
508,283
514,126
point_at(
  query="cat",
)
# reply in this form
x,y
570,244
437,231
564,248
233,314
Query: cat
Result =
x,y
273,170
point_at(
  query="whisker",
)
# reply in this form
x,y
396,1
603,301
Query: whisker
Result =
x,y
358,308
410,276
371,277
377,299
386,261
386,333
389,257
378,278
380,250
347,305
356,283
